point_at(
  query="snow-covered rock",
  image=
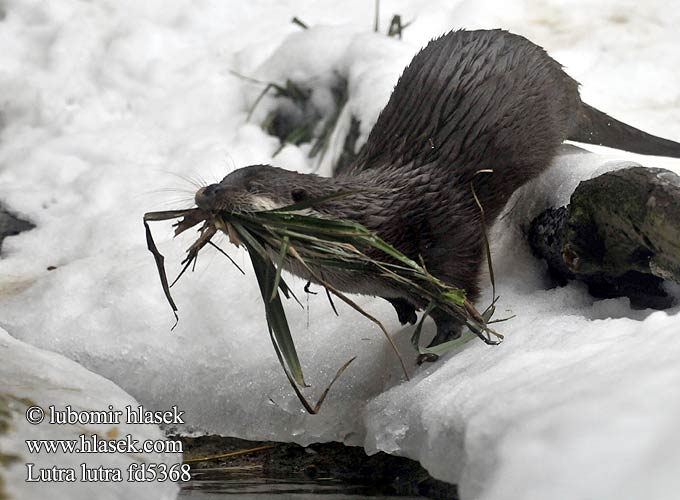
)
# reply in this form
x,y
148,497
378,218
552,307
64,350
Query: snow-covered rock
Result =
x,y
46,397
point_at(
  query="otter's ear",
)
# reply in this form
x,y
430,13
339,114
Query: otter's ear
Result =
x,y
298,195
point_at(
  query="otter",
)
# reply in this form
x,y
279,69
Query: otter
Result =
x,y
469,102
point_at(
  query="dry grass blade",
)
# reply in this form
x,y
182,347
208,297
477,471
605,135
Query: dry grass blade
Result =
x,y
340,371
236,453
487,247
207,232
330,301
160,266
190,218
227,256
171,214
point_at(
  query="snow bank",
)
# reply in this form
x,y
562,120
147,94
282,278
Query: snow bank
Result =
x,y
128,100
578,402
32,378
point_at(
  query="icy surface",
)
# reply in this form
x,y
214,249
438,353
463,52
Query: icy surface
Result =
x,y
30,376
109,108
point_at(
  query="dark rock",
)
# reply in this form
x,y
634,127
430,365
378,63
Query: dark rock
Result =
x,y
546,238
11,224
297,119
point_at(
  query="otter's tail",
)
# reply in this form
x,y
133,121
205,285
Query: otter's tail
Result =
x,y
596,127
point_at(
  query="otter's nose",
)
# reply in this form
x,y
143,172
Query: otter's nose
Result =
x,y
207,196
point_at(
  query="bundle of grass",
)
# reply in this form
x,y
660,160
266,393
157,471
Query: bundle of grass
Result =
x,y
288,236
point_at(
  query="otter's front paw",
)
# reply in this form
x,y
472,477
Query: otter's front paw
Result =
x,y
405,311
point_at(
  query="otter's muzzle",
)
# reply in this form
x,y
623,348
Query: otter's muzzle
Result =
x,y
207,197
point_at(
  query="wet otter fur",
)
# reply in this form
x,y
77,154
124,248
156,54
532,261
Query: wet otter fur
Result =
x,y
468,101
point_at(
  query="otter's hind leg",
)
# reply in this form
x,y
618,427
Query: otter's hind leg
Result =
x,y
448,327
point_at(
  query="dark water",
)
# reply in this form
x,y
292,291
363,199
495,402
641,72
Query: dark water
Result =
x,y
213,484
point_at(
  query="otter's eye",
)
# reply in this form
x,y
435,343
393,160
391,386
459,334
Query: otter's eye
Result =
x,y
298,194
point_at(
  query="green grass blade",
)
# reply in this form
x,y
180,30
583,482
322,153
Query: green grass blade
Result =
x,y
449,346
276,316
279,266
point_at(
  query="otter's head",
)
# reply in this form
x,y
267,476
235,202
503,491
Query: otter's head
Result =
x,y
261,187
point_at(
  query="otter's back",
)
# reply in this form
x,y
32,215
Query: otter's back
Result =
x,y
475,100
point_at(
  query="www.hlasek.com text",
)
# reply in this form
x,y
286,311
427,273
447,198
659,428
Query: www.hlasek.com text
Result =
x,y
95,444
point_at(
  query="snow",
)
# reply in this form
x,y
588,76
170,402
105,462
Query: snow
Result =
x,y
30,376
115,108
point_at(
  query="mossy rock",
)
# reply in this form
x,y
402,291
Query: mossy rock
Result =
x,y
627,220
620,234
